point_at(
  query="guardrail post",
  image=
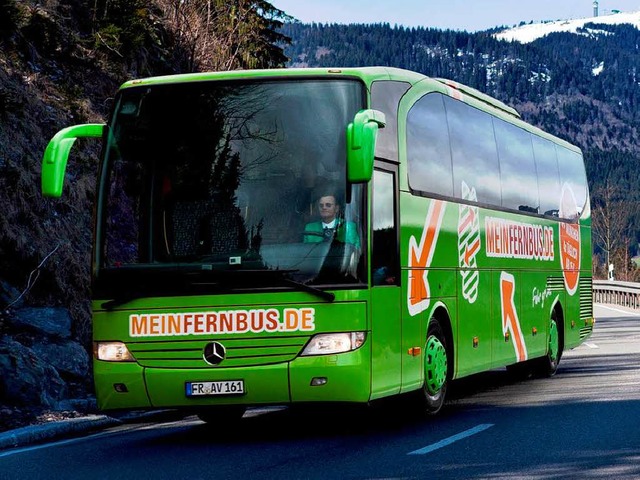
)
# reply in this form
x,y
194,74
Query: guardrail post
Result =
x,y
626,294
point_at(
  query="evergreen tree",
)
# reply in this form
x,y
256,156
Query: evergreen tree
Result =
x,y
225,35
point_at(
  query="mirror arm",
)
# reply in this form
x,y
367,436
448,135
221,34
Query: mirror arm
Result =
x,y
54,161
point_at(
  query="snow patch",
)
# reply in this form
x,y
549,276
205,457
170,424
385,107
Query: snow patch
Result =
x,y
598,70
531,32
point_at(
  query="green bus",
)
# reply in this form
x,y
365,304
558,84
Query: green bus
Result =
x,y
274,237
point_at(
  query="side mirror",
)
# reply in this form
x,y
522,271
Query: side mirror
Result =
x,y
361,144
54,162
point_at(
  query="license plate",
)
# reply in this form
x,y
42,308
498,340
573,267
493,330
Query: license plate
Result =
x,y
225,387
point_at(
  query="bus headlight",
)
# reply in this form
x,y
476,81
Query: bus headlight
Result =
x,y
112,352
329,343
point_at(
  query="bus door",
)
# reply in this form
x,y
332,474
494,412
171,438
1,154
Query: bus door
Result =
x,y
386,324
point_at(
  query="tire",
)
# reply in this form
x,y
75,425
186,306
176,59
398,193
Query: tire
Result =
x,y
436,369
223,415
547,366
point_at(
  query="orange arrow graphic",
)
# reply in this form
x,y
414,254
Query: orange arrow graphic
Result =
x,y
470,251
420,257
510,321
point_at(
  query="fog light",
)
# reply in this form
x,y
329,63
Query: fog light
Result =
x,y
120,388
318,381
112,352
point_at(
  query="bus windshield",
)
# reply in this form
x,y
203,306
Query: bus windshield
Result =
x,y
232,181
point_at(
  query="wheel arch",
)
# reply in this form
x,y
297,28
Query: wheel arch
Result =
x,y
556,307
441,313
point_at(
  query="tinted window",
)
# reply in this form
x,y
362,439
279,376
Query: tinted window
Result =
x,y
385,96
573,177
548,177
451,144
517,167
473,151
230,173
428,149
384,254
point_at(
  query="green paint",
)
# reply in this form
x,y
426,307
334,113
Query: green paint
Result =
x,y
208,185
55,158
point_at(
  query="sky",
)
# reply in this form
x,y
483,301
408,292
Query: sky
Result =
x,y
470,15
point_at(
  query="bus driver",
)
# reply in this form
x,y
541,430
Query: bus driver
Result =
x,y
331,225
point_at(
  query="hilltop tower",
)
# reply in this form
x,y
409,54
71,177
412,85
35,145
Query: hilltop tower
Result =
x,y
595,8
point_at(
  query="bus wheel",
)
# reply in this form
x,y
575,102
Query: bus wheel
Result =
x,y
547,366
223,415
436,369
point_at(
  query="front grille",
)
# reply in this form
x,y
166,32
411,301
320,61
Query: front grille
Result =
x,y
240,352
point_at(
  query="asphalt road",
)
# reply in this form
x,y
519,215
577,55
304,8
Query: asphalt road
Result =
x,y
582,423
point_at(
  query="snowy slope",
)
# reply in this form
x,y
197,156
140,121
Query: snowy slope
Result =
x,y
529,33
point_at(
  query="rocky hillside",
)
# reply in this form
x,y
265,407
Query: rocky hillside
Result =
x,y
60,63
51,76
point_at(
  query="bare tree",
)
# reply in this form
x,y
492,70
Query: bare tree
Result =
x,y
611,228
224,34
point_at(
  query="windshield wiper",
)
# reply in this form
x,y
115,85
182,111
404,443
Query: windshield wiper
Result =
x,y
303,287
328,296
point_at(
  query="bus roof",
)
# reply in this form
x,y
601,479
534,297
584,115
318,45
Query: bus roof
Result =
x,y
367,74
477,94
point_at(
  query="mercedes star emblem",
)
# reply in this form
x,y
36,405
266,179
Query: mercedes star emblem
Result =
x,y
214,353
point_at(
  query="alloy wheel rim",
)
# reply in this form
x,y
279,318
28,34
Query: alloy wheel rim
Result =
x,y
435,365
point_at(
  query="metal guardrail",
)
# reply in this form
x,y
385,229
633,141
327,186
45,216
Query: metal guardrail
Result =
x,y
625,294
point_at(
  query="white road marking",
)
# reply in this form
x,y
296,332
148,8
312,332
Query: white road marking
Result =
x,y
591,345
452,439
628,312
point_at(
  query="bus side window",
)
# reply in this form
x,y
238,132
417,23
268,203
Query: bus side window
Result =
x,y
548,175
385,96
429,148
474,152
384,252
572,175
518,177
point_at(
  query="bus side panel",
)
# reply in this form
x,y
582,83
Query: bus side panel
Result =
x,y
428,255
534,307
474,341
386,335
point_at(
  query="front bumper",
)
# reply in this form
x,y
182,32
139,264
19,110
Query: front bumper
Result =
x,y
346,378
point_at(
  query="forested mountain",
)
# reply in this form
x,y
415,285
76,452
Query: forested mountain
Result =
x,y
583,87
